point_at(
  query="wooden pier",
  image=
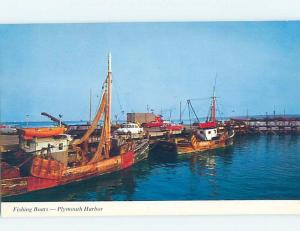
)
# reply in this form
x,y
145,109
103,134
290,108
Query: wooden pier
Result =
x,y
266,125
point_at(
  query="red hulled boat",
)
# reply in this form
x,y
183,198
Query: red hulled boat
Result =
x,y
76,162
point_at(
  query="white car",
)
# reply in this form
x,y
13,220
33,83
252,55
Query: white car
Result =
x,y
7,129
130,128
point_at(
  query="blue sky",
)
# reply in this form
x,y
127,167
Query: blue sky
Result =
x,y
51,67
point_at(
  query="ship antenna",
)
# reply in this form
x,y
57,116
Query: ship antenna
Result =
x,y
214,89
213,106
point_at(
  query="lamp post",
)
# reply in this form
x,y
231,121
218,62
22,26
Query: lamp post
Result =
x,y
27,120
60,116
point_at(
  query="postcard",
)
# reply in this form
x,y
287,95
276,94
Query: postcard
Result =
x,y
150,118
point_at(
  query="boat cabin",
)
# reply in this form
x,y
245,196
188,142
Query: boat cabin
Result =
x,y
207,134
56,146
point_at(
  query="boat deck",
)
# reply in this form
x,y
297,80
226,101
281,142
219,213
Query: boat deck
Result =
x,y
9,143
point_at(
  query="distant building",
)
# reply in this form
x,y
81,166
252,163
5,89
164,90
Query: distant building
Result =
x,y
140,117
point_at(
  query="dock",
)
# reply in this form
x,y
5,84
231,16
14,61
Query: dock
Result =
x,y
266,125
153,134
242,126
9,143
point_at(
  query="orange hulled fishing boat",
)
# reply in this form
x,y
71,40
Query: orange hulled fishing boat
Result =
x,y
65,160
200,136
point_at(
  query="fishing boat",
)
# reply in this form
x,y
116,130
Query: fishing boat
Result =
x,y
206,135
200,136
80,160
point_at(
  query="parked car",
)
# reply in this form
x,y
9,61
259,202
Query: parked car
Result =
x,y
163,124
158,122
7,129
130,128
173,127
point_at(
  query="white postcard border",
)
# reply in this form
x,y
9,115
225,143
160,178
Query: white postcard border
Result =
x,y
139,208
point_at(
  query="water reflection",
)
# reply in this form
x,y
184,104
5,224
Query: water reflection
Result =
x,y
244,171
116,186
204,164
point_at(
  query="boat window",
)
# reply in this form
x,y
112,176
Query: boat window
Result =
x,y
61,146
28,143
209,132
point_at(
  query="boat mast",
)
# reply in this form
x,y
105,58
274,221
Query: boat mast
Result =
x,y
104,141
108,109
90,120
213,109
213,104
180,119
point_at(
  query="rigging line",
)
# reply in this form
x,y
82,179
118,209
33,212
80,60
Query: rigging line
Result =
x,y
184,108
118,97
182,112
189,114
117,93
214,88
199,109
219,113
186,105
191,106
194,99
208,113
219,109
99,97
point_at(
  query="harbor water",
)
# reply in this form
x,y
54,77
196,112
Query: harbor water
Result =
x,y
265,167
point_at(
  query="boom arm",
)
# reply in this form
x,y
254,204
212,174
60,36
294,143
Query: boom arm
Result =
x,y
54,119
